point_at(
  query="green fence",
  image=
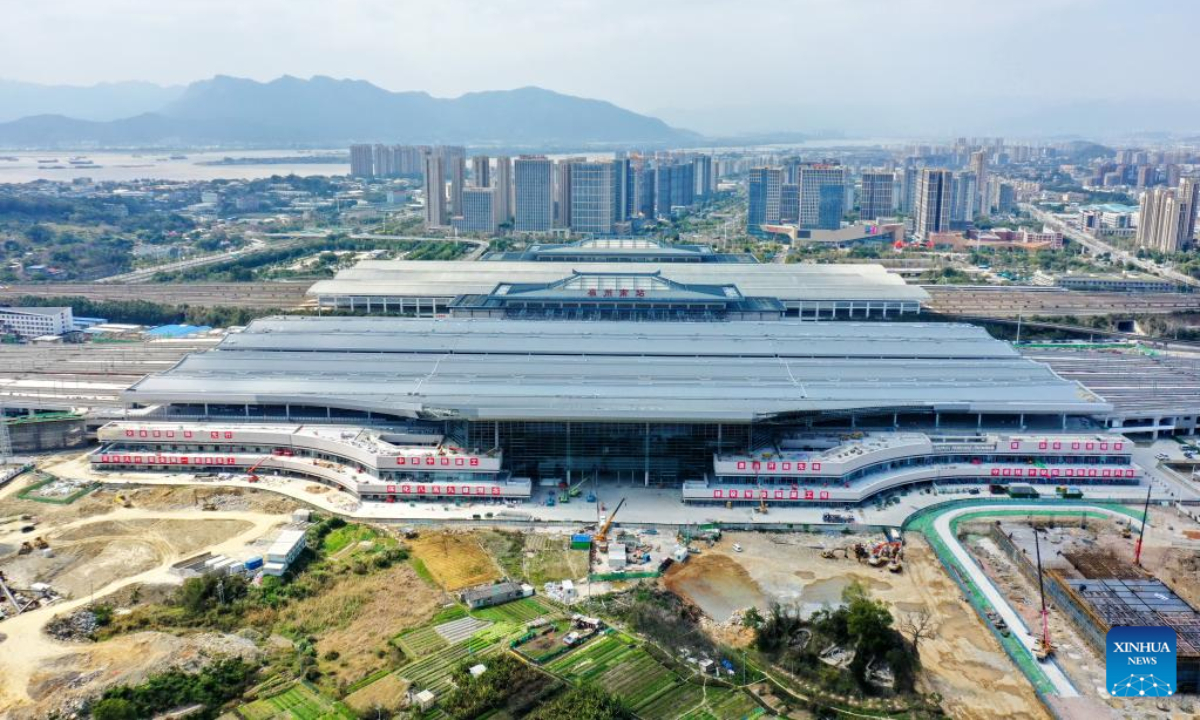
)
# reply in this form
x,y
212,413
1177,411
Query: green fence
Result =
x,y
28,493
623,576
922,522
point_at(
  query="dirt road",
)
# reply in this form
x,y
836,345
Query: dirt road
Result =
x,y
27,650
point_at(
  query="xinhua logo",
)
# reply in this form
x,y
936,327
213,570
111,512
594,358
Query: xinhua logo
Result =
x,y
1140,661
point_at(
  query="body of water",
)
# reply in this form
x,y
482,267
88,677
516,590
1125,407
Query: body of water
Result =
x,y
23,167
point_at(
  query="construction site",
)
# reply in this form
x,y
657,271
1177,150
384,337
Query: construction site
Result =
x,y
1073,576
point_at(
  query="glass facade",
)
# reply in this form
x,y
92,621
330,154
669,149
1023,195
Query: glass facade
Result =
x,y
638,453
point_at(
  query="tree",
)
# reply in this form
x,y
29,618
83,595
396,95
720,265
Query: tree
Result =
x,y
114,709
752,618
917,626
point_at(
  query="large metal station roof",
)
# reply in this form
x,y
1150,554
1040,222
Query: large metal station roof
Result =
x,y
788,282
614,371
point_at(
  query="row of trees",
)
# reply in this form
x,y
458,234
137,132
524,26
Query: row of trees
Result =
x,y
144,312
212,687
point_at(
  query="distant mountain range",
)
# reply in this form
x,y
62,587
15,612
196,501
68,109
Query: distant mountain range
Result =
x,y
320,111
106,101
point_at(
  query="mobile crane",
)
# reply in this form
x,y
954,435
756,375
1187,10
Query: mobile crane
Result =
x,y
602,536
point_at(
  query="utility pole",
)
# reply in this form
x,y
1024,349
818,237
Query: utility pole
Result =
x,y
6,450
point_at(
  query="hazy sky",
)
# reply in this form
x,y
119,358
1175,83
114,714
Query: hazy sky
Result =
x,y
761,60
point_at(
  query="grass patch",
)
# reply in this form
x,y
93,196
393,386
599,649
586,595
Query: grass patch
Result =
x,y
455,560
337,540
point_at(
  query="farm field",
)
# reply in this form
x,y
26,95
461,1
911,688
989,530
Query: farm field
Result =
x,y
725,704
387,693
433,671
654,692
676,702
454,560
518,611
535,557
300,701
421,641
637,678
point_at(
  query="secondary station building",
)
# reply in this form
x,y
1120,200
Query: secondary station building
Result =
x,y
602,279
722,412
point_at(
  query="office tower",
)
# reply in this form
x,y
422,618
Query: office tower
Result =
x,y
821,207
502,182
1167,216
979,167
876,200
683,184
562,191
1145,176
764,187
481,171
361,161
435,191
1006,198
932,203
596,197
647,179
633,190
706,177
964,194
1188,198
789,203
479,211
458,181
534,201
908,198
674,186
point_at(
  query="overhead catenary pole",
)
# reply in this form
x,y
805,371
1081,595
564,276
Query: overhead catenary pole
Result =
x,y
1137,549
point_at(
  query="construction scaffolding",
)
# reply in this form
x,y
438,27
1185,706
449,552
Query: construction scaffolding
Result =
x,y
1111,602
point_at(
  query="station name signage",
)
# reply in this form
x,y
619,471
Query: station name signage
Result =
x,y
168,459
427,489
593,292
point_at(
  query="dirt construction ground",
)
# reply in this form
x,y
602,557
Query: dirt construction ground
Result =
x,y
101,548
962,660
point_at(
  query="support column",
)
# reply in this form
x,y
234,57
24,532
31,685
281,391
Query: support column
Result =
x,y
979,425
646,454
896,420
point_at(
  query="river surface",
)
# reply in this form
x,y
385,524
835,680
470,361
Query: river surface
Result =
x,y
158,165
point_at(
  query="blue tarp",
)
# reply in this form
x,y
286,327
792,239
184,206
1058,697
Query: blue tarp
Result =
x,y
175,331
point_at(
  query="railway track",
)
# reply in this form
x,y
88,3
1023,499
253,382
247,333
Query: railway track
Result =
x,y
283,295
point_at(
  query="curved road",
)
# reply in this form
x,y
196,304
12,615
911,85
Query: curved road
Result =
x,y
26,647
943,526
